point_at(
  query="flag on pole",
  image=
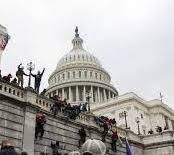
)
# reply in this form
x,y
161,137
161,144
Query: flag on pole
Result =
x,y
128,150
3,41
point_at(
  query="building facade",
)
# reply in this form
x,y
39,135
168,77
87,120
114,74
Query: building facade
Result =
x,y
139,112
18,109
79,73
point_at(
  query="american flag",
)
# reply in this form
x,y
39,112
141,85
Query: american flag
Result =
x,y
3,41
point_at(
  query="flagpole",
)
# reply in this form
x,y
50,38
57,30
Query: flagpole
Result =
x,y
128,149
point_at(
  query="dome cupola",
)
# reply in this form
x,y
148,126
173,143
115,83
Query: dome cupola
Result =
x,y
77,41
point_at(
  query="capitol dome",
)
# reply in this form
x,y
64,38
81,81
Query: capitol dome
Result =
x,y
78,73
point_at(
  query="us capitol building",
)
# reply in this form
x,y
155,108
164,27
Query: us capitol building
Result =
x,y
79,74
79,77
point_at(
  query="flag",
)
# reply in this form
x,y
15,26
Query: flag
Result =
x,y
3,41
128,150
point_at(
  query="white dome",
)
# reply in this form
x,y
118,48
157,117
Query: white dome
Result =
x,y
79,72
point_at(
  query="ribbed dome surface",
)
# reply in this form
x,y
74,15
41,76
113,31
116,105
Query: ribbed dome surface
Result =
x,y
78,56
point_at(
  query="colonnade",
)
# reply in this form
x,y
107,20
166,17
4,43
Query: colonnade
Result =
x,y
79,93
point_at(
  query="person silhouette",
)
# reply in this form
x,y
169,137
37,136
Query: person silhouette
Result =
x,y
38,78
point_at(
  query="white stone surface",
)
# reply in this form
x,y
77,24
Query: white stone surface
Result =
x,y
151,113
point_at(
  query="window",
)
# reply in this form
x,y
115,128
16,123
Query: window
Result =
x,y
73,74
142,116
121,115
79,74
59,78
85,74
68,75
90,74
63,76
100,76
96,75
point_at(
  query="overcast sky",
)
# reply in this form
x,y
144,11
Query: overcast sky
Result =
x,y
133,39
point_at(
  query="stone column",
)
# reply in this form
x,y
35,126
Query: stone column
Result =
x,y
104,93
29,130
70,94
98,94
57,92
109,94
84,93
95,92
63,95
77,93
92,94
112,95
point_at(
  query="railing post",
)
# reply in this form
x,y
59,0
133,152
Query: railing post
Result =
x,y
30,96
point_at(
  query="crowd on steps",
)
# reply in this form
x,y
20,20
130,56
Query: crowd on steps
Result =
x,y
89,147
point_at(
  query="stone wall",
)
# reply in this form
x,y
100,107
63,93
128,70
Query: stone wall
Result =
x,y
18,124
11,122
66,132
18,109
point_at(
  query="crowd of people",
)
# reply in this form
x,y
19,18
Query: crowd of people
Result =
x,y
89,147
67,109
7,148
158,129
72,111
107,124
18,80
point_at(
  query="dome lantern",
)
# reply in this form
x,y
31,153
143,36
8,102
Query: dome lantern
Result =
x,y
77,41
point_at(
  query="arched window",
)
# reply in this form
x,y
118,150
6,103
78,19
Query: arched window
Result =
x,y
63,76
73,74
79,74
74,57
83,57
96,75
85,74
90,74
68,75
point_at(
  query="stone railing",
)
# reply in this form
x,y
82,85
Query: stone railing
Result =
x,y
12,91
44,102
159,137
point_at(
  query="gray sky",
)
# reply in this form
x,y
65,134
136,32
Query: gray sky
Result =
x,y
133,39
